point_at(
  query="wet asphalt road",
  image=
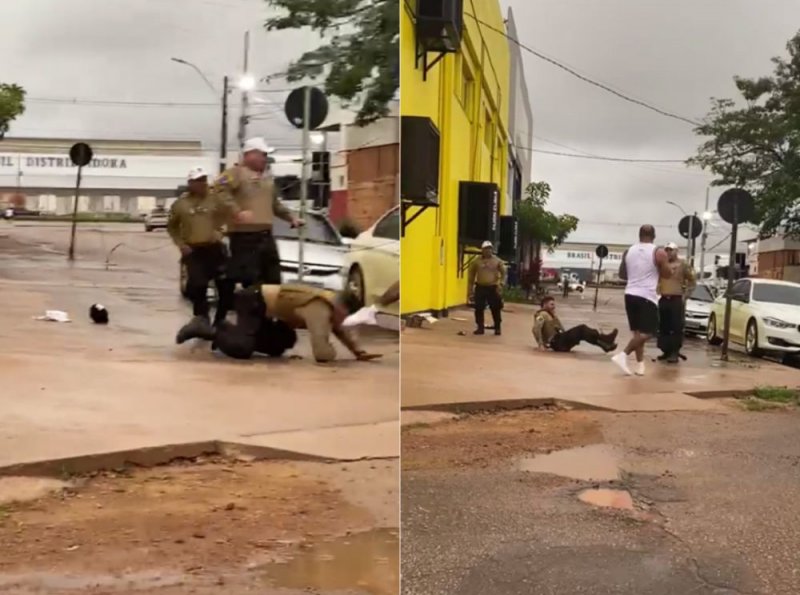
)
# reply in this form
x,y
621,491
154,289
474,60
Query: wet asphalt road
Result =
x,y
722,500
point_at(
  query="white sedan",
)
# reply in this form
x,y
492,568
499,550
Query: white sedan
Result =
x,y
698,310
372,265
765,317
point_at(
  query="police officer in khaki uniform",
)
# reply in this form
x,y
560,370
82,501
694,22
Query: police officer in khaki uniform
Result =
x,y
674,291
264,313
550,333
487,274
194,224
249,191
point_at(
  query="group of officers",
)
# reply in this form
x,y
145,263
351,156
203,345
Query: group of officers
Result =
x,y
242,204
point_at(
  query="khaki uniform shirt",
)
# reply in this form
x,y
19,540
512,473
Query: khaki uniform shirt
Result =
x,y
681,281
488,272
305,307
545,327
242,189
196,220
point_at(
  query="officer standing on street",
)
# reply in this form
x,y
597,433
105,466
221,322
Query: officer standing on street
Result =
x,y
194,224
487,274
674,291
249,191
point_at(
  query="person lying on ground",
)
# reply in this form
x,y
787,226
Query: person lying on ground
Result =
x,y
550,333
265,312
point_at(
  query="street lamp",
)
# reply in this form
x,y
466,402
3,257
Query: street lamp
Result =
x,y
247,82
223,144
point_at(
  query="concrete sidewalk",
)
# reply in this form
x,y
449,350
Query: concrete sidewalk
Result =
x,y
76,389
445,370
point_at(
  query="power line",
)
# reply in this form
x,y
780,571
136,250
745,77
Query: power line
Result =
x,y
600,157
584,78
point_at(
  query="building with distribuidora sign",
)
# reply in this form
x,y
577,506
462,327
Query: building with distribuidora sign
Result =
x,y
125,176
455,138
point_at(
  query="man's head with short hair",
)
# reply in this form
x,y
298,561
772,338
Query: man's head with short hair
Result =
x,y
647,234
548,303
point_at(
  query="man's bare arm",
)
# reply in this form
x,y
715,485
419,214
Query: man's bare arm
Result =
x,y
391,295
623,268
347,340
662,262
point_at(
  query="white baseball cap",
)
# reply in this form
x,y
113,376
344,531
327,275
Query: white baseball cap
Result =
x,y
486,244
671,246
257,144
197,172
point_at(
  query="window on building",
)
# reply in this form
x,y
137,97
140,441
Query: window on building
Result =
x,y
466,86
488,128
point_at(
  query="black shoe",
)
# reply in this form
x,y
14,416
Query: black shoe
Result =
x,y
497,331
612,336
672,358
478,331
197,328
607,346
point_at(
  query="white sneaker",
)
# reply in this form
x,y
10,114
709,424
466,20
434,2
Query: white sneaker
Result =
x,y
639,370
621,360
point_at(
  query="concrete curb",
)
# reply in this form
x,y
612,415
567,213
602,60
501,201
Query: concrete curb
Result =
x,y
161,455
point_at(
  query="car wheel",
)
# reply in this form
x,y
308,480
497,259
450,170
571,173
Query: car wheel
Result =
x,y
711,333
183,279
355,284
751,339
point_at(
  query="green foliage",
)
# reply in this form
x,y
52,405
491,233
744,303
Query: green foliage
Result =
x,y
12,105
755,144
537,224
514,295
360,54
777,394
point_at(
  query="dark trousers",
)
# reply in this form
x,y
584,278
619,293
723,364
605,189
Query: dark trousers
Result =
x,y
254,258
670,324
488,295
204,264
571,338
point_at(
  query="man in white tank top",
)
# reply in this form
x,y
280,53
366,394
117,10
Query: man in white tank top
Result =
x,y
643,264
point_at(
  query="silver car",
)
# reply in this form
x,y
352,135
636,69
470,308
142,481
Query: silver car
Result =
x,y
156,219
698,310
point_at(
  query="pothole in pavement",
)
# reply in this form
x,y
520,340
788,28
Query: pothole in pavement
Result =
x,y
595,462
607,498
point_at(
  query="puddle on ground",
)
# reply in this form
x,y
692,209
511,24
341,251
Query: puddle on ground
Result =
x,y
597,462
50,582
620,499
363,562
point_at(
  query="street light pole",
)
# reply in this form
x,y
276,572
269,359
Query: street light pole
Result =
x,y
704,239
304,179
245,92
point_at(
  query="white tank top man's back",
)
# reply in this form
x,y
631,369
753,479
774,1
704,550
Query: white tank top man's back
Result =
x,y
642,271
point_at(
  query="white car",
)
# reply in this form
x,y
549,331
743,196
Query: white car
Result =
x,y
765,317
698,310
156,219
324,253
373,264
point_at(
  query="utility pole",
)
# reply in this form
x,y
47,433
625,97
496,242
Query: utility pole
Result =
x,y
304,179
223,143
245,93
703,240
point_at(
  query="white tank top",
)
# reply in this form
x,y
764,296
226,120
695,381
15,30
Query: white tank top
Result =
x,y
642,271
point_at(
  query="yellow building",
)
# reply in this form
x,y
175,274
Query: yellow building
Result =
x,y
465,93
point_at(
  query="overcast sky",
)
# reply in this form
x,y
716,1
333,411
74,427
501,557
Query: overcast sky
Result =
x,y
675,55
120,50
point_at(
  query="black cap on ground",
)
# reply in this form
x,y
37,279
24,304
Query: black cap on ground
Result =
x,y
98,314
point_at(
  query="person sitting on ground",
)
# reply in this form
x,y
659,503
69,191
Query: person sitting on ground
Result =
x,y
268,315
550,334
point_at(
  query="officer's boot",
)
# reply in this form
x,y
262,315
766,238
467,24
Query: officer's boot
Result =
x,y
608,341
198,327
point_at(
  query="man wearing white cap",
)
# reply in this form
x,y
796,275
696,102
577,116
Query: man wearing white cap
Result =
x,y
195,222
487,273
674,291
251,195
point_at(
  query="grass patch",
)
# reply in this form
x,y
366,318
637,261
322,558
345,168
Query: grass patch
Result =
x,y
777,394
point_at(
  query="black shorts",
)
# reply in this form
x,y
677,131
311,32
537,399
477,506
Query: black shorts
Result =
x,y
642,314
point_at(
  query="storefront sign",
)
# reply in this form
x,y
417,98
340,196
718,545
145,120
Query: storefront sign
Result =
x,y
53,162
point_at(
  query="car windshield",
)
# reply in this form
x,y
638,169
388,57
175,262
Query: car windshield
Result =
x,y
317,230
702,293
777,294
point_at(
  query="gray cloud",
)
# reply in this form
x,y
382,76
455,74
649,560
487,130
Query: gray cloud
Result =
x,y
675,55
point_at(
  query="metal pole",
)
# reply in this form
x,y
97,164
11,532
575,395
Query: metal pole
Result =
x,y
223,143
727,332
689,241
597,284
304,179
71,254
703,241
245,94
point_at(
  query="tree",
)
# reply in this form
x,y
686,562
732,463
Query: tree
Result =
x,y
539,227
12,105
756,146
360,59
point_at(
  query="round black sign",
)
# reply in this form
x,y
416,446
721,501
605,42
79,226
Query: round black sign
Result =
x,y
601,251
80,154
736,206
295,104
690,222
